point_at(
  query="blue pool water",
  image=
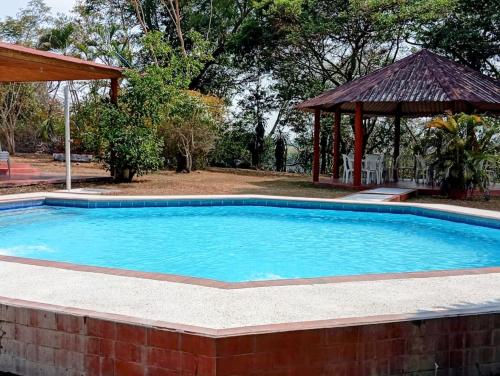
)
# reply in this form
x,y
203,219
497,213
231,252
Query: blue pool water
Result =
x,y
242,243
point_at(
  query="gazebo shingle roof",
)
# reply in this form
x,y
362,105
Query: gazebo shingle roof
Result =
x,y
421,84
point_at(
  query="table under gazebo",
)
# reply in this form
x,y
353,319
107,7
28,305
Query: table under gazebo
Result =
x,y
421,85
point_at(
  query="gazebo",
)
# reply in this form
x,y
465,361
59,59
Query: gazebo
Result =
x,y
22,64
420,85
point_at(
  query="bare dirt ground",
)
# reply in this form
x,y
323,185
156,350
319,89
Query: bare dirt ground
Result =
x,y
213,181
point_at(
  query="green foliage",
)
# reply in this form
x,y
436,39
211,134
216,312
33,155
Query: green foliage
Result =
x,y
190,130
231,148
465,151
468,32
127,135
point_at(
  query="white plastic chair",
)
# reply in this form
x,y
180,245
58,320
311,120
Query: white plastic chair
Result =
x,y
421,169
348,169
371,168
5,157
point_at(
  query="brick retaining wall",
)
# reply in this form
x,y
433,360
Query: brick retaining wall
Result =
x,y
42,342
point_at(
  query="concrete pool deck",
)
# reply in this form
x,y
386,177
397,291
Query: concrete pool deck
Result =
x,y
213,310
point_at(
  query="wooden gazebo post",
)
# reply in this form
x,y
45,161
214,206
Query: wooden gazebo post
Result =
x,y
317,129
336,144
358,143
397,141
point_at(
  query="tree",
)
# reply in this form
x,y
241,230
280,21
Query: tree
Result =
x,y
19,103
16,103
127,134
190,129
469,32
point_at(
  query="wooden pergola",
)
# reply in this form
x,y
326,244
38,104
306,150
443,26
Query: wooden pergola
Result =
x,y
22,64
420,85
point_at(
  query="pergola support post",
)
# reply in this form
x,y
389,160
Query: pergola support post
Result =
x,y
67,138
397,143
358,143
336,144
317,128
115,88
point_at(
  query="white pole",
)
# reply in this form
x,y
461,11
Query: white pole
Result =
x,y
67,138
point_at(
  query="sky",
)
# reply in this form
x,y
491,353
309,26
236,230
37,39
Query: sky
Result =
x,y
10,8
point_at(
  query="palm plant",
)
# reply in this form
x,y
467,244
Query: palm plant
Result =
x,y
463,150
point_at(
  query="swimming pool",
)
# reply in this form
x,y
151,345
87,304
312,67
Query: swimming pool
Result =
x,y
246,243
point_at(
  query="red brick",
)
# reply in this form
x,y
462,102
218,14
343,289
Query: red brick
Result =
x,y
164,358
496,337
234,365
288,340
22,316
93,344
442,343
130,352
70,359
205,366
331,354
25,334
198,344
442,359
341,335
31,352
92,364
478,338
436,327
49,338
398,347
7,330
479,356
457,341
45,355
164,339
131,333
14,348
129,369
73,342
70,323
457,324
235,345
107,366
367,350
397,365
479,322
155,371
457,359
101,328
373,332
106,347
44,319
7,313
